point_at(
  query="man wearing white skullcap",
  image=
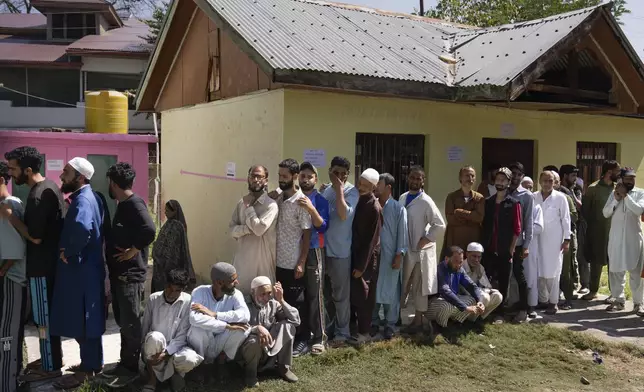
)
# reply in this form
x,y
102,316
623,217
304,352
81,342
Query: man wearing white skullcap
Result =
x,y
273,323
77,307
490,297
527,183
365,252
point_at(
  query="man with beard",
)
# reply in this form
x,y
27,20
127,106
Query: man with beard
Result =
x,y
624,208
253,226
393,247
554,241
522,250
219,315
13,287
270,343
79,295
426,225
598,226
127,245
365,254
293,233
313,311
166,322
569,186
41,228
464,211
501,231
569,275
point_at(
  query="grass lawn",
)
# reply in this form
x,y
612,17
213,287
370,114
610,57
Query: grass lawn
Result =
x,y
502,358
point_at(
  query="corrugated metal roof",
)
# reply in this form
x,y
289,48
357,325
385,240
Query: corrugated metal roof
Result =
x,y
327,37
126,39
22,21
20,52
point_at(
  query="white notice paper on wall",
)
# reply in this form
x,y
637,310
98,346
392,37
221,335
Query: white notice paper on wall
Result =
x,y
231,170
507,130
316,157
455,154
55,165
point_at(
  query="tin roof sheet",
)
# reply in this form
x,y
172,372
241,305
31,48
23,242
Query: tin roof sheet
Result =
x,y
22,21
22,52
126,39
335,38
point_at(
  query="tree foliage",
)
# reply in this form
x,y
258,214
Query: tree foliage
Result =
x,y
486,13
156,22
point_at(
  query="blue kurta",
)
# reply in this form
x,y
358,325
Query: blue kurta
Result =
x,y
394,239
78,309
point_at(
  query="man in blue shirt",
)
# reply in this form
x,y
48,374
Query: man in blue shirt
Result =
x,y
449,304
313,311
343,198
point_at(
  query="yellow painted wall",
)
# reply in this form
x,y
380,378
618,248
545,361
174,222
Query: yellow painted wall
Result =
x,y
202,139
329,121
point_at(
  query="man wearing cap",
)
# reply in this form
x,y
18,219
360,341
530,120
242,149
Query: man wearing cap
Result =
x,y
527,183
273,322
394,243
426,225
624,208
553,242
474,269
501,231
317,207
365,254
79,294
219,315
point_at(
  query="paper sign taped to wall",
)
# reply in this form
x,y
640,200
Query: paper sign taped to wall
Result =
x,y
455,154
230,169
316,157
507,130
55,165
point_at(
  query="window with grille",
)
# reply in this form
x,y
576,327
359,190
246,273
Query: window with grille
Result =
x,y
591,156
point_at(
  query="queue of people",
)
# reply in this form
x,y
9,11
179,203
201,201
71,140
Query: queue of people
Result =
x,y
315,267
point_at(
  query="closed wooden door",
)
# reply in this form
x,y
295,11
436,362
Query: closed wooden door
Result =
x,y
503,152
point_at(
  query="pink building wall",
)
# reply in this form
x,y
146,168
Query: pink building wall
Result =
x,y
63,146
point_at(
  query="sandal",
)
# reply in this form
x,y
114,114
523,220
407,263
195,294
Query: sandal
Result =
x,y
148,388
31,375
317,349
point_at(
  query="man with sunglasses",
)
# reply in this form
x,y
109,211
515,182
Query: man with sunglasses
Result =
x,y
273,323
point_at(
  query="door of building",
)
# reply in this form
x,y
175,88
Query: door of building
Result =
x,y
99,180
503,152
389,153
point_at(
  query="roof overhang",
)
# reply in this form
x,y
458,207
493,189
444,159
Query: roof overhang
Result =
x,y
104,8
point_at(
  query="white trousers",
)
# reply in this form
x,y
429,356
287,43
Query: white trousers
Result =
x,y
413,284
441,311
549,290
181,362
210,345
618,283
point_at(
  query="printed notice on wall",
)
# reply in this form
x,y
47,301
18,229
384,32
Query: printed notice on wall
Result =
x,y
507,130
316,157
55,165
230,170
455,154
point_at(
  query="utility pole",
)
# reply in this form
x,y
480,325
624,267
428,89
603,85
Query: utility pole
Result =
x,y
422,7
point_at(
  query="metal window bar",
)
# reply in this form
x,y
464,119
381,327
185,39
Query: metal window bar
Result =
x,y
591,156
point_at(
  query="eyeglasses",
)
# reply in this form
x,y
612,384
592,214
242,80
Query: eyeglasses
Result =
x,y
256,177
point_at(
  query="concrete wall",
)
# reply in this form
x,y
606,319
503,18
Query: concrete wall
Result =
x,y
198,142
48,117
114,65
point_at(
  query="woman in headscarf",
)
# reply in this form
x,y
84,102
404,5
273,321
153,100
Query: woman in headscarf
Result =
x,y
171,250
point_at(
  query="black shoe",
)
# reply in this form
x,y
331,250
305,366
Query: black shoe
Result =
x,y
532,313
300,349
389,333
374,330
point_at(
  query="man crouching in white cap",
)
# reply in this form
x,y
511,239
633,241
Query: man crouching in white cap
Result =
x,y
273,322
491,298
365,253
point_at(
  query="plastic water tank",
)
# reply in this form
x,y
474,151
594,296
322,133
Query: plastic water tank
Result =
x,y
109,114
91,110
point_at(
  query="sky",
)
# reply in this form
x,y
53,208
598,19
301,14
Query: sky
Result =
x,y
633,23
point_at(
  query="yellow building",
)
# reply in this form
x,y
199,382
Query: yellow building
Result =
x,y
261,81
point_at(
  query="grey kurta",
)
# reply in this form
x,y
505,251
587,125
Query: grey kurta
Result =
x,y
273,316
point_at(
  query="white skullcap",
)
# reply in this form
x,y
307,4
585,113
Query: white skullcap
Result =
x,y
527,179
259,282
371,175
82,166
475,247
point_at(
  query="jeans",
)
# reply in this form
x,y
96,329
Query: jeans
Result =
x,y
127,303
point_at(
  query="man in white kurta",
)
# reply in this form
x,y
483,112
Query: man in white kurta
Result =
x,y
426,226
165,326
625,207
219,315
532,262
553,241
253,225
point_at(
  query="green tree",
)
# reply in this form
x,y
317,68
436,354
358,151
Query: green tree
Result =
x,y
156,22
486,13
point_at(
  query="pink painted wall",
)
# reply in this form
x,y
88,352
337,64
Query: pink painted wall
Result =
x,y
67,145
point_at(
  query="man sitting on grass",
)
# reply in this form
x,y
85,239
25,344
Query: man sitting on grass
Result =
x,y
449,304
273,324
474,269
165,326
